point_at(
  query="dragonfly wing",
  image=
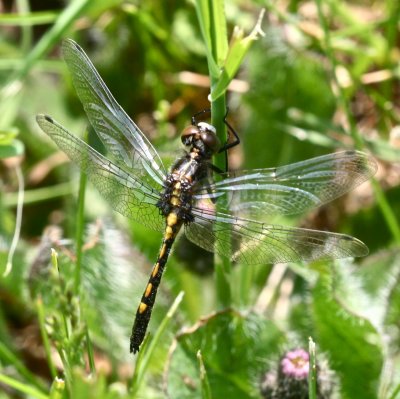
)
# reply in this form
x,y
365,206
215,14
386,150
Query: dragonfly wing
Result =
x,y
126,193
118,132
289,189
252,242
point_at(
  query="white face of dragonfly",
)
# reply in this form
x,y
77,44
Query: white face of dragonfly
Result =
x,y
204,127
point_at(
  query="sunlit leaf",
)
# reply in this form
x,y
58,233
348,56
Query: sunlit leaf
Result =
x,y
353,342
234,352
238,48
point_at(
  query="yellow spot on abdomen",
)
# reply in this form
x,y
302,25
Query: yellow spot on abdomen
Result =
x,y
148,290
155,270
175,201
168,234
172,219
142,307
163,248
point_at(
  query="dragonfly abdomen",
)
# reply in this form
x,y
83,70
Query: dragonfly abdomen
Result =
x,y
145,307
176,205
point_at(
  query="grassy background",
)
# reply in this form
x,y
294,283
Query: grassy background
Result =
x,y
324,77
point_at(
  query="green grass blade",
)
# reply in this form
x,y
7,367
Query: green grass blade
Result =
x,y
40,194
9,357
45,337
211,16
312,372
27,34
21,387
29,19
90,353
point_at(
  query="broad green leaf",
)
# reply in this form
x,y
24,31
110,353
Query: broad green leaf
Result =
x,y
234,351
352,341
380,274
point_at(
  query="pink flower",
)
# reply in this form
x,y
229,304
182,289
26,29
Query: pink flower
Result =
x,y
295,364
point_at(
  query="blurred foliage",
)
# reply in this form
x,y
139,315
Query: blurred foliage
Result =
x,y
325,76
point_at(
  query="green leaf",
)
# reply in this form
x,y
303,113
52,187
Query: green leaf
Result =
x,y
234,351
352,341
238,48
379,275
312,373
211,16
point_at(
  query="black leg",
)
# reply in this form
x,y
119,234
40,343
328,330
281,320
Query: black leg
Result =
x,y
234,143
216,169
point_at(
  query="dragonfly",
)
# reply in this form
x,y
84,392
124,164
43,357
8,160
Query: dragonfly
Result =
x,y
218,210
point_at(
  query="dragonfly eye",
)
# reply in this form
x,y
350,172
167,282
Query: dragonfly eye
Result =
x,y
209,136
188,133
211,141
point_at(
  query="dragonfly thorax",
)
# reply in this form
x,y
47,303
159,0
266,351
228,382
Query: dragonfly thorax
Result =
x,y
201,137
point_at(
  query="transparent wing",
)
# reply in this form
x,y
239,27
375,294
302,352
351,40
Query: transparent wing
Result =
x,y
118,132
288,189
126,193
251,242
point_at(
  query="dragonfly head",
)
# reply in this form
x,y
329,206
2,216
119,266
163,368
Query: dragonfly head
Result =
x,y
202,137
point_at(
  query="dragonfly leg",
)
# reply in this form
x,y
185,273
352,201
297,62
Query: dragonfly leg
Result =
x,y
236,141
